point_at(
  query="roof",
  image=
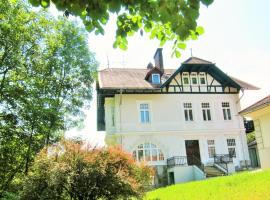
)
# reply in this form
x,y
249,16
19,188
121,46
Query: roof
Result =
x,y
256,106
245,85
134,78
195,60
126,78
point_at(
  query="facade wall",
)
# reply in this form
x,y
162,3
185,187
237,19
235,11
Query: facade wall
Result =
x,y
169,130
167,113
262,132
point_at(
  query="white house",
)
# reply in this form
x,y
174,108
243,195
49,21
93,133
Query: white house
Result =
x,y
185,122
260,113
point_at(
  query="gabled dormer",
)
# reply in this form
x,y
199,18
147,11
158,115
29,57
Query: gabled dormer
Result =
x,y
153,76
155,73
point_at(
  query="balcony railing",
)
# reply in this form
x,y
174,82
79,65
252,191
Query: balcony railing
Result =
x,y
222,160
176,161
184,160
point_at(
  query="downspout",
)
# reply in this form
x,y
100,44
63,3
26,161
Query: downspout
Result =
x,y
120,117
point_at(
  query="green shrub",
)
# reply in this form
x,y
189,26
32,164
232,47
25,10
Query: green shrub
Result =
x,y
251,137
69,171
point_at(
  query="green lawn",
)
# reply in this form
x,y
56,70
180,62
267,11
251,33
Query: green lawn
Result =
x,y
247,186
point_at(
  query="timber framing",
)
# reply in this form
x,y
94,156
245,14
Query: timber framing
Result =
x,y
210,69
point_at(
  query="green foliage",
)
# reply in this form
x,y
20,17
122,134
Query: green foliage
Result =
x,y
46,73
73,171
247,185
165,20
251,137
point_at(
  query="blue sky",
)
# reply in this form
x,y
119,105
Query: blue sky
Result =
x,y
236,38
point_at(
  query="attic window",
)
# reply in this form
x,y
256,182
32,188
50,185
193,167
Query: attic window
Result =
x,y
194,79
202,79
185,78
155,78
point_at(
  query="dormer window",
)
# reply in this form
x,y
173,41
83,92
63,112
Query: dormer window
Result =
x,y
194,79
156,78
185,78
202,79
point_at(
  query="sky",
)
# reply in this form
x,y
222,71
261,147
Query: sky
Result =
x,y
236,38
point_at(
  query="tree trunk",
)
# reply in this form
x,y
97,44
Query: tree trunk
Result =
x,y
29,151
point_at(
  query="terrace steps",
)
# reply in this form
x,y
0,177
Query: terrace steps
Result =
x,y
212,171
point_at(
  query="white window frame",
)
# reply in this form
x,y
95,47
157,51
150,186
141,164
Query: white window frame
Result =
x,y
144,109
188,112
158,78
194,75
231,144
148,147
185,75
211,147
202,75
206,111
226,110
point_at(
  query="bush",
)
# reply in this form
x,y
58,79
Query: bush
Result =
x,y
69,171
251,137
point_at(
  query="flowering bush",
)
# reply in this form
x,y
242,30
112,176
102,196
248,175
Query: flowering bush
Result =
x,y
69,171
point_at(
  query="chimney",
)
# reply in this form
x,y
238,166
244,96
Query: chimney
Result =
x,y
159,59
150,66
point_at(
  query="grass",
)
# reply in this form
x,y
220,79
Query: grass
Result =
x,y
242,186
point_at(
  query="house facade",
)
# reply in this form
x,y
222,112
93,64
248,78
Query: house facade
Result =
x,y
260,113
176,120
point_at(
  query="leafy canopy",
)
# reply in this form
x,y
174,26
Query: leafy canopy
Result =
x,y
46,74
165,20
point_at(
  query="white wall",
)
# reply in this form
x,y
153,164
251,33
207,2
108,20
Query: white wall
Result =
x,y
186,173
167,113
262,131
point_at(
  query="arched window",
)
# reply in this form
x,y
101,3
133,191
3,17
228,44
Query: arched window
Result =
x,y
147,152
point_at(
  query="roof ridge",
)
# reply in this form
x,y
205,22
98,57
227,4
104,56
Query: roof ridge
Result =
x,y
194,57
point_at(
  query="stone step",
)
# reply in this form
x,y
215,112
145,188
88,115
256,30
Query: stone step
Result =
x,y
212,171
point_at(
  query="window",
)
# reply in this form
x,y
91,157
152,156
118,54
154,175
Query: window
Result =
x,y
144,113
206,112
202,78
185,78
188,111
194,79
211,148
231,147
147,152
226,111
155,78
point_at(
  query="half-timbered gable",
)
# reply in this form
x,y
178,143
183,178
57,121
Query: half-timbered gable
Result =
x,y
199,76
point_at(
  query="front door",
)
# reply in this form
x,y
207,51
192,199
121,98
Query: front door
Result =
x,y
193,151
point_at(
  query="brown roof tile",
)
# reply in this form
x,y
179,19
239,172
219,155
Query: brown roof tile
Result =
x,y
126,78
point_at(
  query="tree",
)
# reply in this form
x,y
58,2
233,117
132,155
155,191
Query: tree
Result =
x,y
165,20
46,74
72,171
